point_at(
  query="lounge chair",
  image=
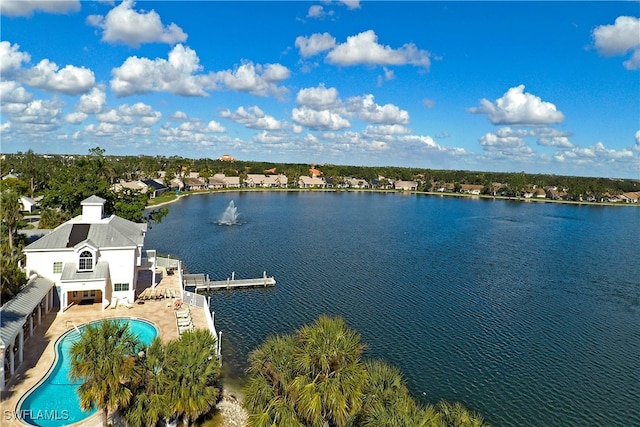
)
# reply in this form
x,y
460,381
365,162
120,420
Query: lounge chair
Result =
x,y
184,322
183,314
114,302
126,303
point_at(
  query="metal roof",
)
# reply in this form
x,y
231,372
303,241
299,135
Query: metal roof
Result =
x,y
17,310
99,272
113,233
93,200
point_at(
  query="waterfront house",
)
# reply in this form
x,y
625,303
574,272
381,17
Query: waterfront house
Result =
x,y
311,182
92,258
631,197
357,183
192,183
405,185
474,189
254,180
152,187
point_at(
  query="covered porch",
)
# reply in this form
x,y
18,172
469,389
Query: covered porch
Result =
x,y
18,319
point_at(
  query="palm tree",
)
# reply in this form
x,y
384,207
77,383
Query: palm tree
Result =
x,y
104,359
150,403
193,372
331,375
387,401
313,378
457,415
11,215
267,397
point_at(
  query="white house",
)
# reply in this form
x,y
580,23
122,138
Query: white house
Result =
x,y
28,204
92,258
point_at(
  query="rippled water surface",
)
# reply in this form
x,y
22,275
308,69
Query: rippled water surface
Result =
x,y
527,312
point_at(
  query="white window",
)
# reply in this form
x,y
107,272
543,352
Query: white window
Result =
x,y
86,261
57,267
118,287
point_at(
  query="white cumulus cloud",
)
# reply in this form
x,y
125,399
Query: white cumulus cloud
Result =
x,y
505,147
12,93
175,75
92,102
256,79
319,119
314,44
364,48
519,108
75,118
11,58
618,39
70,80
125,25
253,118
319,97
366,109
28,7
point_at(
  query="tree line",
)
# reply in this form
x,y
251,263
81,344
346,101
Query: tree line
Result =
x,y
40,173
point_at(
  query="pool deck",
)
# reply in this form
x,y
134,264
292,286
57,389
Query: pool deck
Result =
x,y
40,353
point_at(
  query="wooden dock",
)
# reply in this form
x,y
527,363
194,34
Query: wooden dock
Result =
x,y
202,283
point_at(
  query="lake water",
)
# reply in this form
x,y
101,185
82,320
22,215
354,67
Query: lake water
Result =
x,y
526,312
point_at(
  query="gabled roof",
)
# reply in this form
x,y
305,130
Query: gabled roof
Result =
x,y
112,233
15,312
155,184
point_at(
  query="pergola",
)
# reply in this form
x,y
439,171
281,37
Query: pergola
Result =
x,y
19,316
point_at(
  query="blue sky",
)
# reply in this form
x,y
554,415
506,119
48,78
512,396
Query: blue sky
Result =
x,y
540,87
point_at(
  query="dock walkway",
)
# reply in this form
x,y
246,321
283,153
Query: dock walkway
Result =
x,y
201,282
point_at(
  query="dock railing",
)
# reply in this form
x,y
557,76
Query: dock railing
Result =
x,y
167,262
196,300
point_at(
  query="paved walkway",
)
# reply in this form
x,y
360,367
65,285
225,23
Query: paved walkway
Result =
x,y
40,352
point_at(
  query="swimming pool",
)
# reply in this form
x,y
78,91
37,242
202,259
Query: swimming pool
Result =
x,y
54,401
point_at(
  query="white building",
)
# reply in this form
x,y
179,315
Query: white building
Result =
x,y
92,258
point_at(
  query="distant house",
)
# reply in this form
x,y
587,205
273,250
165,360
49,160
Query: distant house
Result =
x,y
191,184
311,182
474,189
405,185
266,181
276,181
442,187
217,181
313,172
631,197
555,194
254,180
539,193
150,186
357,183
154,187
28,204
226,158
233,181
92,257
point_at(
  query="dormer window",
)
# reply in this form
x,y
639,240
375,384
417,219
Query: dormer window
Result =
x,y
85,263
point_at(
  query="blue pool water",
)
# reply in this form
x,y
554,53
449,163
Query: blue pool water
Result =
x,y
54,401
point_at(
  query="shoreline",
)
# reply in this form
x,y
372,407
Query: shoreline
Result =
x,y
426,193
